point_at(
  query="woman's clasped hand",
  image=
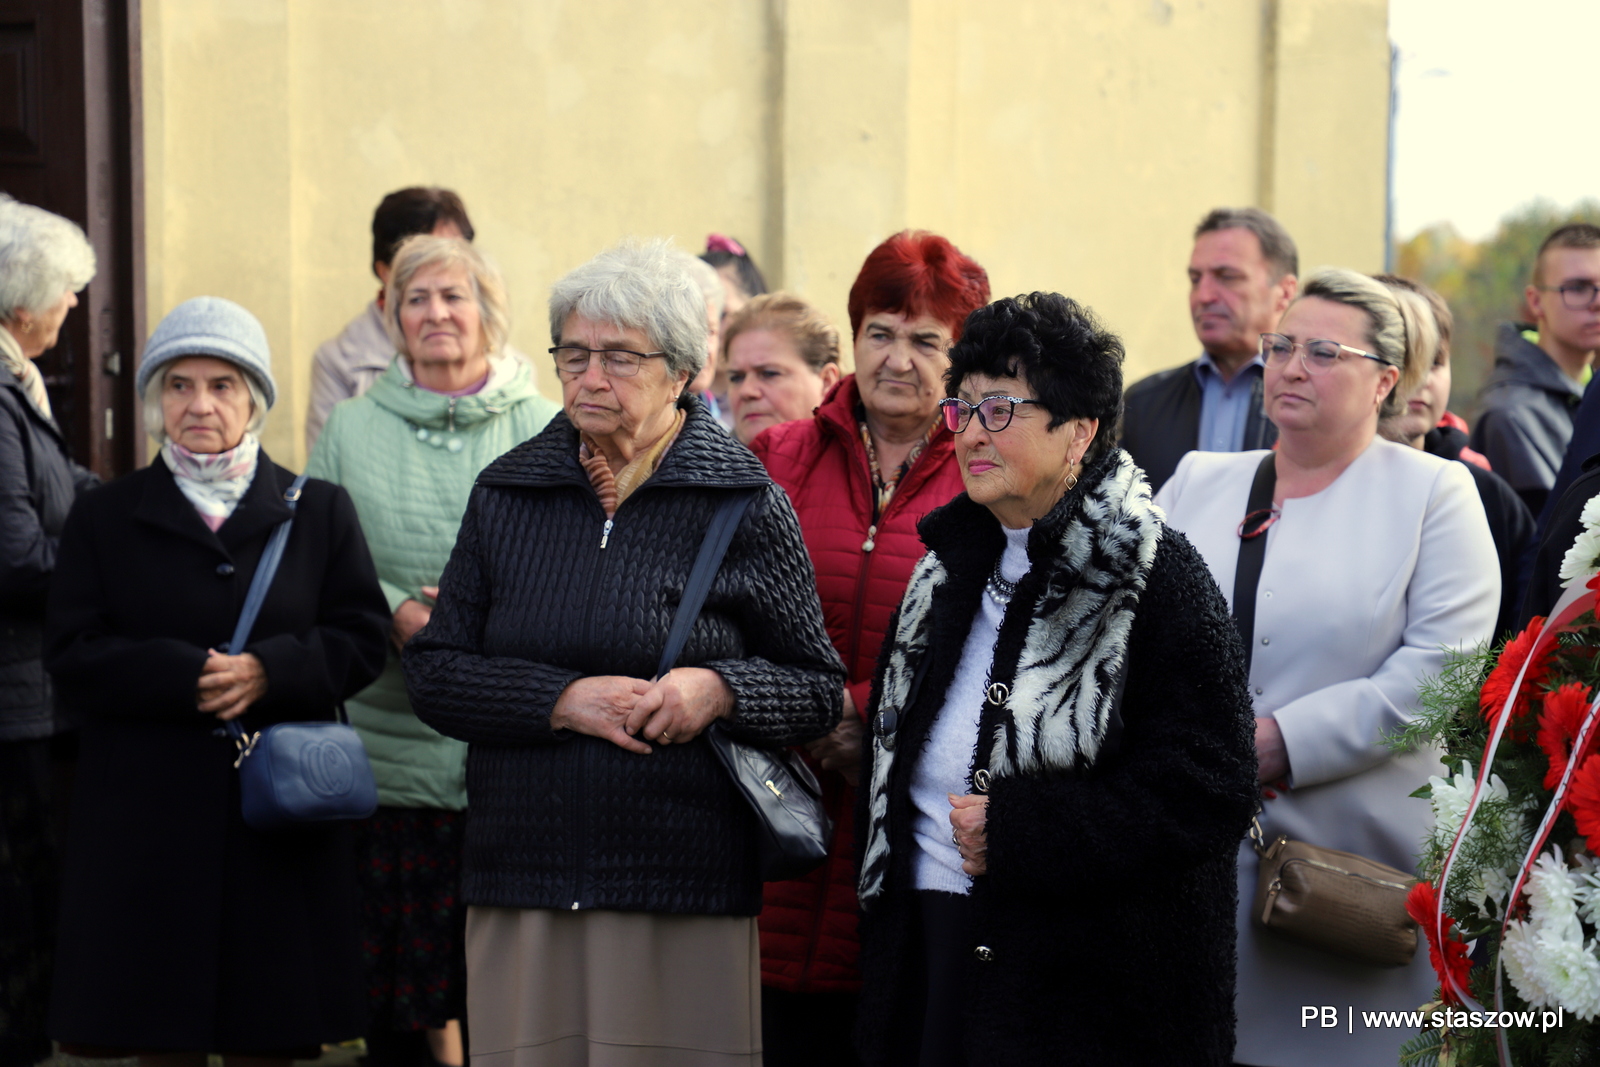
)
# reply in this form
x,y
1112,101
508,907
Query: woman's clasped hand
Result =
x,y
675,708
230,684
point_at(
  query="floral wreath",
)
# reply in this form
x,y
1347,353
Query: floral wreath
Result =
x,y
1515,850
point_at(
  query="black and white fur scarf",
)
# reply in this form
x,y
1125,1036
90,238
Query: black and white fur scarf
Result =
x,y
1062,695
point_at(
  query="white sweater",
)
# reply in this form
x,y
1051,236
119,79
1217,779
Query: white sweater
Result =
x,y
947,760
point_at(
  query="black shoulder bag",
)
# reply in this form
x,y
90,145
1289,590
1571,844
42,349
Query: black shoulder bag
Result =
x,y
1335,901
782,792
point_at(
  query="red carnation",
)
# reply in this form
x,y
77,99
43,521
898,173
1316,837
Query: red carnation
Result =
x,y
1583,800
1563,714
1452,962
1492,698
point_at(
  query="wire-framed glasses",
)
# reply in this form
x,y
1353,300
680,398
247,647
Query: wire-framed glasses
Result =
x,y
994,412
1318,355
573,360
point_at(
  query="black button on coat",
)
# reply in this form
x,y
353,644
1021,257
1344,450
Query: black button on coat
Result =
x,y
181,928
38,484
531,602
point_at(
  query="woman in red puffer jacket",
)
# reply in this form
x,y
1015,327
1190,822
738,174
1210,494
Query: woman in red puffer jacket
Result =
x,y
861,472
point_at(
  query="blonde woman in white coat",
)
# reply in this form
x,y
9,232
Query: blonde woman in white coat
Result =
x,y
1379,558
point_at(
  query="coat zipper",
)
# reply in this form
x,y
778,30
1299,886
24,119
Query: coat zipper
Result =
x,y
581,831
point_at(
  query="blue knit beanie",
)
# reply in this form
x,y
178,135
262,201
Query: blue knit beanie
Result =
x,y
210,326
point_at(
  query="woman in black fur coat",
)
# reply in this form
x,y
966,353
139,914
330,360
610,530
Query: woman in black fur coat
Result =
x,y
1062,762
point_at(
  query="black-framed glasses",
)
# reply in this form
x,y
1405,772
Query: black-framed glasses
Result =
x,y
573,360
1576,295
1318,354
994,412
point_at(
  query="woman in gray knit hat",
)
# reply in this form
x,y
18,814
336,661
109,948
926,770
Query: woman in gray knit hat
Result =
x,y
184,932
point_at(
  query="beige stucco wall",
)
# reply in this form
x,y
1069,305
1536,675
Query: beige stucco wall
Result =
x,y
1065,145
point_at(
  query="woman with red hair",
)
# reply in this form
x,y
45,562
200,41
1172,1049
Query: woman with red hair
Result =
x,y
869,464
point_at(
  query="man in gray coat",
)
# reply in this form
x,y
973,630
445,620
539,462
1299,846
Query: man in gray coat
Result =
x,y
1527,405
1241,277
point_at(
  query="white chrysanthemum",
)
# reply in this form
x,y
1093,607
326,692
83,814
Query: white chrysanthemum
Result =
x,y
1582,558
1519,954
1487,888
1587,891
1553,898
1590,515
1569,971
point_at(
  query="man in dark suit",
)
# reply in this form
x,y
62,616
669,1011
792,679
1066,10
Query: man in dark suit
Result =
x,y
1241,277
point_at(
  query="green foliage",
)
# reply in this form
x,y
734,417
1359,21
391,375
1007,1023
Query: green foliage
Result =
x,y
1422,1050
1484,282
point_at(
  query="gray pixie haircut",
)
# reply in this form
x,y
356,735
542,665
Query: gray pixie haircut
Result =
x,y
1277,247
42,257
423,251
639,285
1401,329
155,420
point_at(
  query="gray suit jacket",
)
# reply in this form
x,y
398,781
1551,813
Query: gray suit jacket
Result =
x,y
1161,421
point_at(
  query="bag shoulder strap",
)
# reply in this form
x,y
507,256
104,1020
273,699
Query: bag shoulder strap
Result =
x,y
1253,552
271,556
719,535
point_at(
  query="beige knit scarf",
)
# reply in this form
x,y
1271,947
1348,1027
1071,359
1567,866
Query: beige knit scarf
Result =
x,y
28,374
614,488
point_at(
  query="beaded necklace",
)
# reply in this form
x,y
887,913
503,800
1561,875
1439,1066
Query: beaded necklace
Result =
x,y
884,488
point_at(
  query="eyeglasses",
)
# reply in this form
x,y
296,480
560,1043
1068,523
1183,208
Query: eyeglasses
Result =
x,y
994,412
573,360
1318,355
1576,295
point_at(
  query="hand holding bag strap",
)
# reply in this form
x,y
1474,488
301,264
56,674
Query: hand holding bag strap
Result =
x,y
1253,554
266,570
719,535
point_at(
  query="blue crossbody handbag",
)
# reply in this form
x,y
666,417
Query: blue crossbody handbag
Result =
x,y
296,772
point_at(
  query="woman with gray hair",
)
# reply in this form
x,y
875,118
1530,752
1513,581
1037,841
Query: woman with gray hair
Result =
x,y
408,451
608,850
1377,559
44,261
183,931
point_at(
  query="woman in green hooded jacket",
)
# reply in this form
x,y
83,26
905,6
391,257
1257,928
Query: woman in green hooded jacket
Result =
x,y
408,452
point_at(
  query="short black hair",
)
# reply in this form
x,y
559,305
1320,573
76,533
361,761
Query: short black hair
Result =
x,y
1072,363
1572,235
414,210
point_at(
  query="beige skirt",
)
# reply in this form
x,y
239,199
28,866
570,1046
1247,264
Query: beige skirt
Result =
x,y
612,989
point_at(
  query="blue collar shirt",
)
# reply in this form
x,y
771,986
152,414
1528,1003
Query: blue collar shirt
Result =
x,y
1224,405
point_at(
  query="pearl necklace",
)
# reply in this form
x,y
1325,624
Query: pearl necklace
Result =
x,y
1000,590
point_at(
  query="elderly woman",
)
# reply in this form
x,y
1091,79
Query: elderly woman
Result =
x,y
1377,559
183,931
408,451
782,357
44,261
862,471
608,850
1060,762
1422,423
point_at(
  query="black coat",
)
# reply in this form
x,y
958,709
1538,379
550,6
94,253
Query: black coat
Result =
x,y
1161,421
1510,522
538,594
1565,524
1108,909
181,928
38,484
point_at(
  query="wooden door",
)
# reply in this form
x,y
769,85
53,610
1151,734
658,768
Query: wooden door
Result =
x,y
70,142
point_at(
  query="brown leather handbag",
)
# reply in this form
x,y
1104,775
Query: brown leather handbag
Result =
x,y
1335,901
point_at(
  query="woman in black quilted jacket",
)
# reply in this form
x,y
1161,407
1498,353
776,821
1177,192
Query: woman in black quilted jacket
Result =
x,y
44,261
610,865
